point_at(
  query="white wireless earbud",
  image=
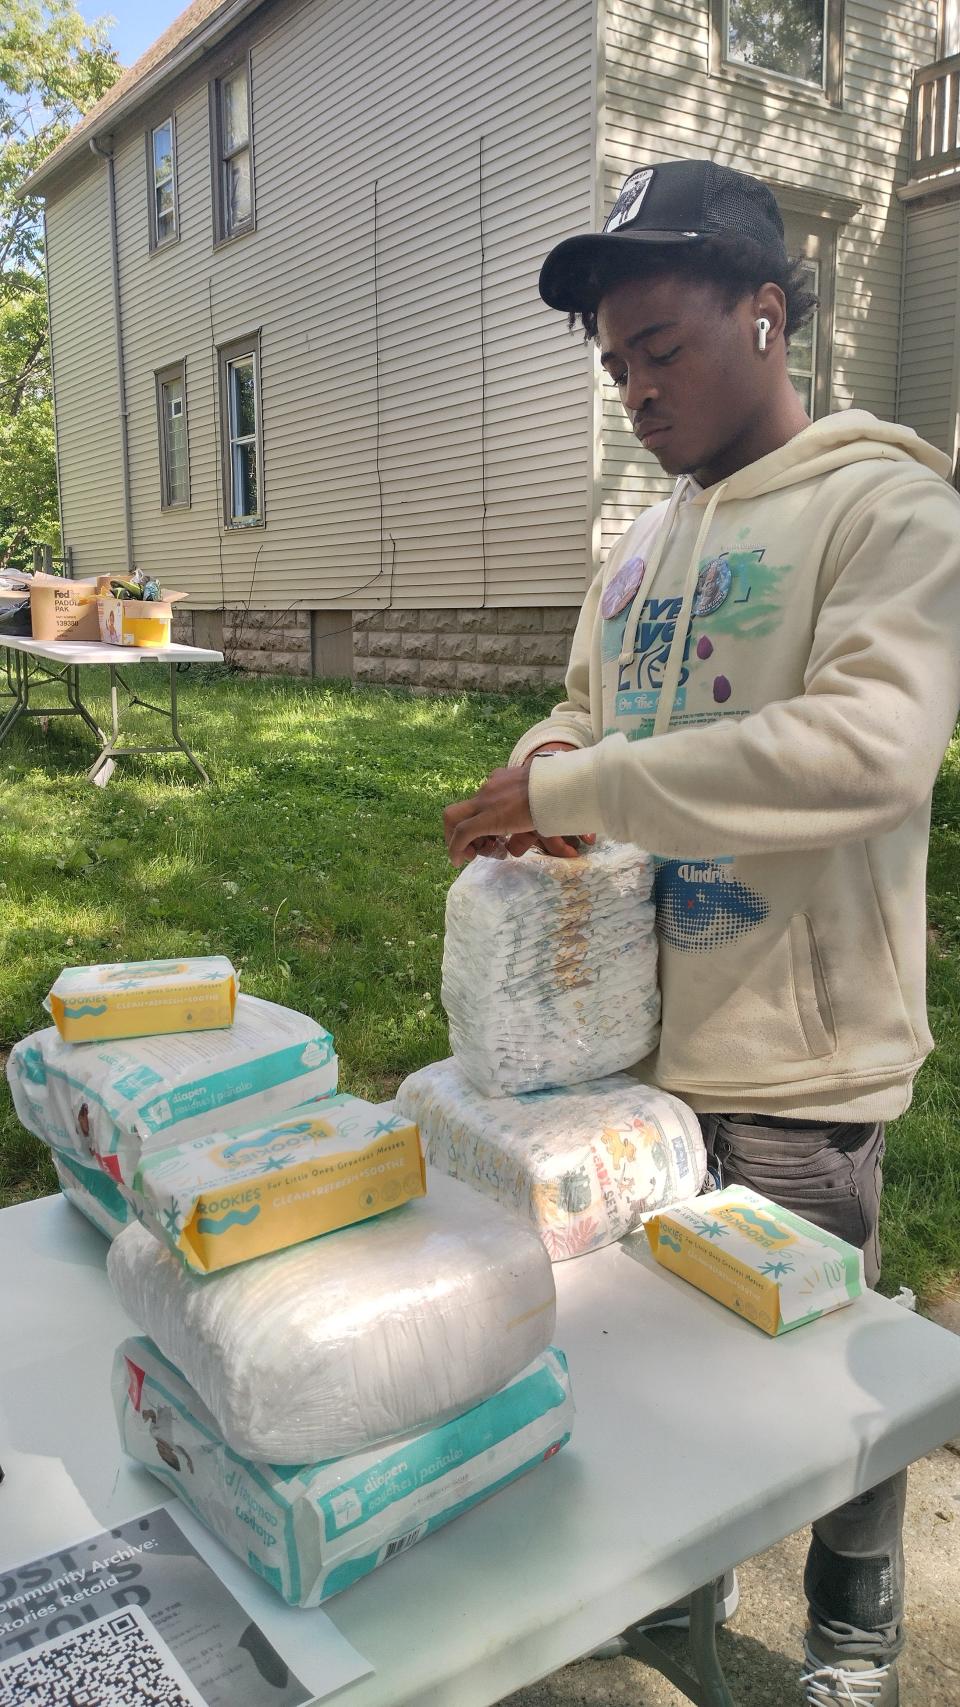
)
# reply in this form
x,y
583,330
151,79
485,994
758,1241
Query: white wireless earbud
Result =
x,y
763,327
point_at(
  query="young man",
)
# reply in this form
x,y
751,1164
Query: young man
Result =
x,y
762,685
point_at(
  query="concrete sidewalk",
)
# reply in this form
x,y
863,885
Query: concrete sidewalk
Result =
x,y
760,1648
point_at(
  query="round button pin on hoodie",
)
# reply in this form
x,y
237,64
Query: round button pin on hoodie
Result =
x,y
623,587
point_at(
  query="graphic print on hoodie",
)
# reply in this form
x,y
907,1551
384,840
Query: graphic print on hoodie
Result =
x,y
780,765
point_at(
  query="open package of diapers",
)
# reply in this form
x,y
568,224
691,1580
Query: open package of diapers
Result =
x,y
550,968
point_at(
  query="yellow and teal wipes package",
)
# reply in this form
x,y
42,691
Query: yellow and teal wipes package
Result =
x,y
230,1196
143,998
772,1267
310,1531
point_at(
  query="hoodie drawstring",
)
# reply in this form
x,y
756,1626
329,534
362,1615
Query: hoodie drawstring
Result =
x,y
643,591
671,674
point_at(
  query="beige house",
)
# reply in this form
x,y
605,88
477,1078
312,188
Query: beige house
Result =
x,y
300,364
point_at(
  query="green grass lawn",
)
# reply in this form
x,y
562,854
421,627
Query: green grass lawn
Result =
x,y
316,862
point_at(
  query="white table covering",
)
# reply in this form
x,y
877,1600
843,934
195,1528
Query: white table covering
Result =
x,y
699,1441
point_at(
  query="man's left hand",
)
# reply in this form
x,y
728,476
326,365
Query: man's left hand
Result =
x,y
501,808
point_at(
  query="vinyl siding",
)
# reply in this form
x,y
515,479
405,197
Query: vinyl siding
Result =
x,y
85,364
931,315
662,103
346,97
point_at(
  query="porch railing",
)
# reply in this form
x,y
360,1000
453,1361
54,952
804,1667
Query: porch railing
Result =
x,y
936,118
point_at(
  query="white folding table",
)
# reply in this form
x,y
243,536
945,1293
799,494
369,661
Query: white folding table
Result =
x,y
67,658
698,1443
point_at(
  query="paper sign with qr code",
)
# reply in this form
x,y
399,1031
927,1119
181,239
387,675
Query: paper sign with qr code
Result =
x,y
134,1617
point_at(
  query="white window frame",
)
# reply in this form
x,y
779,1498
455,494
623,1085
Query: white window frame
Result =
x,y
157,241
175,372
230,356
949,28
829,91
225,231
815,240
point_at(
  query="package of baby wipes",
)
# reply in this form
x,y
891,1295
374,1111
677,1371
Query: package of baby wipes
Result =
x,y
94,1193
115,1102
550,968
310,1531
143,998
369,1333
582,1162
222,1199
769,1265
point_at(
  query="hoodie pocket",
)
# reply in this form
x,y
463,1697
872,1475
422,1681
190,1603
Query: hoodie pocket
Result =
x,y
810,991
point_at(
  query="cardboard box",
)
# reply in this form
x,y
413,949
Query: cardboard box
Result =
x,y
770,1266
225,1198
143,998
136,622
62,609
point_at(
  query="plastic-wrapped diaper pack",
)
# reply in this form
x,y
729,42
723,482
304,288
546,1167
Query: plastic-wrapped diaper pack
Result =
x,y
115,1102
371,1332
311,1531
94,1193
550,968
584,1162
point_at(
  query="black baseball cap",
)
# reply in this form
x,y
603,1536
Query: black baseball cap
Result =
x,y
681,201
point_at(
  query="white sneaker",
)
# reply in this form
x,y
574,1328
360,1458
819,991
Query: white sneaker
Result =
x,y
673,1617
862,1683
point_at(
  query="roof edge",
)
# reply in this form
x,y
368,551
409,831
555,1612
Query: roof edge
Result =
x,y
76,143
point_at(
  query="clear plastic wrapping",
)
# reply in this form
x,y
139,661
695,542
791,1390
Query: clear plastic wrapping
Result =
x,y
313,1531
94,1193
550,968
356,1337
112,1103
584,1163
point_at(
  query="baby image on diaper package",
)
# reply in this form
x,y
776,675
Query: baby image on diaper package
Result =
x,y
143,998
229,1196
770,1266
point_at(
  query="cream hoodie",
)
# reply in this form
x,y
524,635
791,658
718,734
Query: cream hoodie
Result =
x,y
768,716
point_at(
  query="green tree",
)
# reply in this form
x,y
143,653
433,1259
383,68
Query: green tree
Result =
x,y
785,37
53,67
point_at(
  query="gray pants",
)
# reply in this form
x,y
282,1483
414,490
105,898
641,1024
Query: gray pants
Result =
x,y
832,1175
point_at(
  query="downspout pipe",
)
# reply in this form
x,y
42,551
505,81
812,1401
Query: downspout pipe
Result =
x,y
107,155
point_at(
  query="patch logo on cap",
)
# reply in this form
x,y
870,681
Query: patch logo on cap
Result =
x,y
630,199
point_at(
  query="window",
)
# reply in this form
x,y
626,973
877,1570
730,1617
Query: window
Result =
x,y
797,40
162,179
172,434
949,28
802,351
240,419
232,127
809,352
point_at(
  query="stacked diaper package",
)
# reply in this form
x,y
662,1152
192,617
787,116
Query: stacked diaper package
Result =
x,y
323,1407
103,1106
332,1364
550,987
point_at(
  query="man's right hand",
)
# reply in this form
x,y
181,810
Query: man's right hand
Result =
x,y
559,847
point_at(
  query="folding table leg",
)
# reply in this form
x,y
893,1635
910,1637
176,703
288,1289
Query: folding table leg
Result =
x,y
705,1685
175,726
19,683
72,684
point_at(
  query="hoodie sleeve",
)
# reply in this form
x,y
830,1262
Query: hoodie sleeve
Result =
x,y
570,720
849,758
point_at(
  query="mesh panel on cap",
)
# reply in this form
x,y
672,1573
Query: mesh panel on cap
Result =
x,y
734,204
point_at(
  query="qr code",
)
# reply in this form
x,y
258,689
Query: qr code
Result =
x,y
118,1661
